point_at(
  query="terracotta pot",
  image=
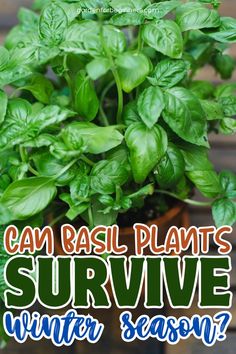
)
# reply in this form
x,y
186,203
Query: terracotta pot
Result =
x,y
176,216
111,341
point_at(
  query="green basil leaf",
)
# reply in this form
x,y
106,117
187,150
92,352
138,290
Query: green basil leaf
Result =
x,y
133,69
49,115
106,200
76,38
168,73
147,146
28,19
28,197
18,172
114,39
164,36
94,4
161,9
3,105
207,182
120,154
75,209
202,89
214,3
95,139
128,19
4,58
107,175
150,105
185,116
71,10
22,123
224,212
4,183
229,105
48,166
73,47
10,76
228,126
195,157
129,5
20,35
52,24
183,188
228,183
86,100
5,217
79,188
224,65
98,67
130,113
226,33
171,167
224,90
62,152
99,218
93,45
78,32
40,87
40,141
213,110
193,16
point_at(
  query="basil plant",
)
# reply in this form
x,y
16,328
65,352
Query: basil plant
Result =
x,y
101,115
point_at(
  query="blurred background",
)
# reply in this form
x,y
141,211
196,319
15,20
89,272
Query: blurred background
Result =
x,y
224,157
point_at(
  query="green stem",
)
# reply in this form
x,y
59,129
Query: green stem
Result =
x,y
187,201
23,154
139,49
55,221
66,168
87,160
67,76
118,194
116,77
90,215
103,95
120,96
32,170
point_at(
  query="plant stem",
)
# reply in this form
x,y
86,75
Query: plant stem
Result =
x,y
32,170
120,96
67,77
58,218
87,160
116,77
23,155
118,194
187,201
139,49
90,215
66,168
102,112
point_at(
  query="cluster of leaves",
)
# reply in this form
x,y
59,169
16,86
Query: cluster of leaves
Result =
x,y
104,110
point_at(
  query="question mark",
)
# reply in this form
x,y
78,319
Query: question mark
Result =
x,y
224,318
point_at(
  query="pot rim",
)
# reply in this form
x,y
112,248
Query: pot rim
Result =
x,y
128,231
168,216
